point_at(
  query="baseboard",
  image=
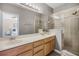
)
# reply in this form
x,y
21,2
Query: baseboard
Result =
x,y
67,53
59,52
64,53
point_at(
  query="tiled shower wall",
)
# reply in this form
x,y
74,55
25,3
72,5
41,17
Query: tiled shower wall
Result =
x,y
71,29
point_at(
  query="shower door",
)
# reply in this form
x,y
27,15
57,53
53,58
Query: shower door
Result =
x,y
71,34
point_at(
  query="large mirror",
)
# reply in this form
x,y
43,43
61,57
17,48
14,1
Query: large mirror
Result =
x,y
16,21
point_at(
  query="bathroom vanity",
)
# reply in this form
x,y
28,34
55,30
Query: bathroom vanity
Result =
x,y
17,38
28,45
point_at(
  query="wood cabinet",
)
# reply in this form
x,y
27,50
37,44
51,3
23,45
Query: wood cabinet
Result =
x,y
52,44
27,53
17,50
47,48
40,53
38,43
49,45
38,48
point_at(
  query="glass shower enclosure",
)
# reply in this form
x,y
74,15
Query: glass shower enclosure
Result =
x,y
71,34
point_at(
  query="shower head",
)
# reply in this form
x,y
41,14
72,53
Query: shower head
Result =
x,y
76,12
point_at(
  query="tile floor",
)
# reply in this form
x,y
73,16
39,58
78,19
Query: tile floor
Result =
x,y
54,54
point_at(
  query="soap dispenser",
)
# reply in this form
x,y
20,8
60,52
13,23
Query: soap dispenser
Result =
x,y
14,30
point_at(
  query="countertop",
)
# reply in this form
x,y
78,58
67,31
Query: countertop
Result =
x,y
7,43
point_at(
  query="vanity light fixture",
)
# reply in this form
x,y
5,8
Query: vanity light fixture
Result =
x,y
27,4
30,6
35,7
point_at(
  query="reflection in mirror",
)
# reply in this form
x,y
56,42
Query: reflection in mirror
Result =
x,y
10,24
15,20
50,23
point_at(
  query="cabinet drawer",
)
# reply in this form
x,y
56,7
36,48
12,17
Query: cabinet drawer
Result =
x,y
37,49
40,53
27,53
37,43
53,37
16,50
47,40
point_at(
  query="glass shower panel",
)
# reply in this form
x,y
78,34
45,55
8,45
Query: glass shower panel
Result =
x,y
71,34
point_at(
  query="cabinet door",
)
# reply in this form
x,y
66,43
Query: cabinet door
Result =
x,y
40,53
27,53
47,48
52,44
37,49
38,43
17,50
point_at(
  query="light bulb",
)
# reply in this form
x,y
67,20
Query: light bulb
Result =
x,y
36,8
33,6
30,5
27,3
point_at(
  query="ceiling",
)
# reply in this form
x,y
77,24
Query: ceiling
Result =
x,y
55,5
61,6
